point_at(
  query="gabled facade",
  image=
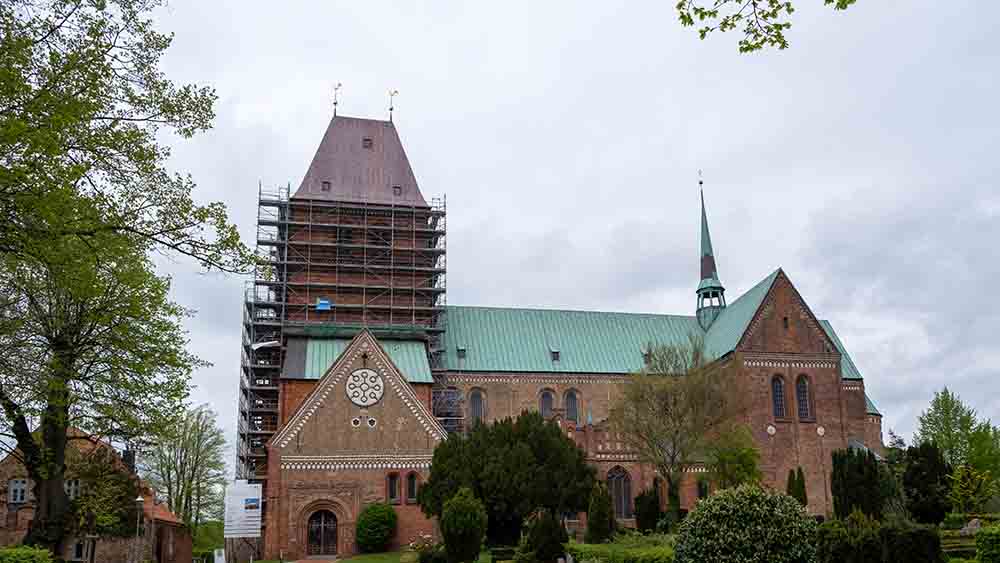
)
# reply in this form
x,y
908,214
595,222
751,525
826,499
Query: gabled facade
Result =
x,y
359,289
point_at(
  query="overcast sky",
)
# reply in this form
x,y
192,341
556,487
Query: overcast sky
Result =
x,y
567,137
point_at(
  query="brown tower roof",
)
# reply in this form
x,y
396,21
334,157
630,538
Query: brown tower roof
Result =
x,y
361,160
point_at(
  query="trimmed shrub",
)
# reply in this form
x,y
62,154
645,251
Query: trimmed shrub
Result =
x,y
903,541
855,540
647,510
855,483
988,545
926,484
376,526
463,526
25,554
954,521
545,538
747,524
802,496
600,516
616,553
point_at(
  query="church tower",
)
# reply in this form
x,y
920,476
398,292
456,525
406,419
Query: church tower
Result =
x,y
711,294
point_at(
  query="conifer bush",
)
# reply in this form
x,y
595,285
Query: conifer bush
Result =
x,y
988,545
544,540
600,516
376,526
463,526
747,524
647,510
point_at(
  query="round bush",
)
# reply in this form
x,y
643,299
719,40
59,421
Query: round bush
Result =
x,y
376,526
747,524
463,525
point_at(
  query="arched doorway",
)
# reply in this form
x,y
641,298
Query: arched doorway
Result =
x,y
322,533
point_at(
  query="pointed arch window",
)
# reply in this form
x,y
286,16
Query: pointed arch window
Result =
x,y
802,398
778,396
477,407
620,488
546,402
571,406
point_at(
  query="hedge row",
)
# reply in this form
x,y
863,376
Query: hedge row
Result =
x,y
865,541
611,553
955,520
25,554
988,545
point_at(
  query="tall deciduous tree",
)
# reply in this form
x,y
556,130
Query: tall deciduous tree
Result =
x,y
91,341
671,411
763,22
188,466
949,424
82,102
733,459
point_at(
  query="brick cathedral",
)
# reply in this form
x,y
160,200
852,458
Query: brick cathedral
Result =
x,y
354,367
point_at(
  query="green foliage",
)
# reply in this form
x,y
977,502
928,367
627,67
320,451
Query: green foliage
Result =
x,y
796,486
188,466
619,553
375,527
863,540
545,538
515,467
463,526
903,541
988,545
733,458
854,540
106,505
25,554
647,510
747,524
600,515
926,484
949,424
970,489
209,536
763,22
855,483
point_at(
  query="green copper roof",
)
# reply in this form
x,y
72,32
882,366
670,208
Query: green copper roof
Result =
x,y
410,356
523,340
710,283
706,238
870,405
847,368
728,328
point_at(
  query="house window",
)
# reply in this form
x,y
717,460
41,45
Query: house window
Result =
x,y
545,403
620,488
778,396
397,191
17,491
367,143
784,321
477,410
802,398
325,186
460,351
392,488
72,488
555,355
703,488
411,488
570,404
78,552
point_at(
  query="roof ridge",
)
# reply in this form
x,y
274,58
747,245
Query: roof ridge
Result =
x,y
556,310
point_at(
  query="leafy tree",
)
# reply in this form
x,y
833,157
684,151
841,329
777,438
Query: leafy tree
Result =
x,y
106,505
926,484
188,466
647,510
669,412
600,515
82,104
984,448
515,467
970,489
732,458
463,526
948,424
90,341
855,485
763,22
